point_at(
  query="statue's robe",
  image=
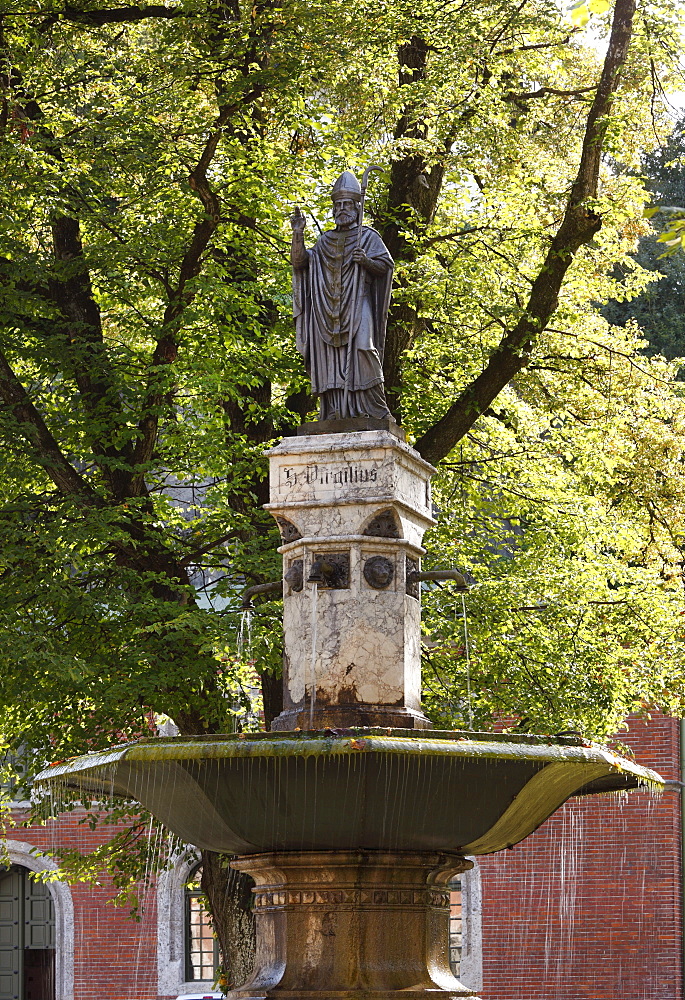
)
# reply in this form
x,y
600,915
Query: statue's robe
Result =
x,y
324,310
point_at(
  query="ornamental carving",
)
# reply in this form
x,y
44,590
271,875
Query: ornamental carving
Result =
x,y
378,572
413,588
383,525
289,531
331,570
294,576
352,897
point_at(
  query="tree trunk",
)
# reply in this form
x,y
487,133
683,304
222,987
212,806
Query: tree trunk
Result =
x,y
229,895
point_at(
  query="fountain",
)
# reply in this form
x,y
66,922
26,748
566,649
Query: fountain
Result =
x,y
352,815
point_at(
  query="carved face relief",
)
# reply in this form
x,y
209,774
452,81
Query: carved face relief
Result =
x,y
413,586
345,212
378,572
331,570
294,576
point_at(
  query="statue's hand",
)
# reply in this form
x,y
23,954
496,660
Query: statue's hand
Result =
x,y
298,221
359,257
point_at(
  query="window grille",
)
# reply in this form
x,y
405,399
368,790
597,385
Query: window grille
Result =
x,y
455,925
202,949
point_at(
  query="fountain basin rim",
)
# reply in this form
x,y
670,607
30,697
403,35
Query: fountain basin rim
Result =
x,y
321,744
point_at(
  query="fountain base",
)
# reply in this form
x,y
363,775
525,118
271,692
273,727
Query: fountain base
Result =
x,y
336,925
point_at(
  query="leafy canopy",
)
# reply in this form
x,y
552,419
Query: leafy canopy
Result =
x,y
147,355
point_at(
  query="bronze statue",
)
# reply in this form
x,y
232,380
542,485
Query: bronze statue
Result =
x,y
341,295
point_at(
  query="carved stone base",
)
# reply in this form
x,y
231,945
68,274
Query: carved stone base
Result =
x,y
352,509
362,925
350,717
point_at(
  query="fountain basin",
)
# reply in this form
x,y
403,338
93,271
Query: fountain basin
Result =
x,y
364,789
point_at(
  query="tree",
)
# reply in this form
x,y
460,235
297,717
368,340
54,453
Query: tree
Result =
x,y
148,358
658,310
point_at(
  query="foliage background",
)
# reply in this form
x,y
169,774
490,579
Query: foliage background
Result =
x,y
148,360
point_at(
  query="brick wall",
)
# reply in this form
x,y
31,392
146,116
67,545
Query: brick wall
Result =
x,y
115,957
589,906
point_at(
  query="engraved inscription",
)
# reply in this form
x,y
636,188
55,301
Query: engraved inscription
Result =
x,y
317,475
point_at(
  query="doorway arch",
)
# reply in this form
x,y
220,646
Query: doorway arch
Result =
x,y
25,856
27,937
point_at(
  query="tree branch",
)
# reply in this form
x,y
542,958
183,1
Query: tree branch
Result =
x,y
191,264
34,429
544,91
536,45
166,348
71,290
579,224
68,286
412,198
112,15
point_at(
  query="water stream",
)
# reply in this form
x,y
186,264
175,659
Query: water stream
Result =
x,y
581,907
467,655
312,668
244,637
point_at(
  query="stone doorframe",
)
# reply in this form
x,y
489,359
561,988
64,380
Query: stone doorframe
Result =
x,y
471,972
27,855
171,919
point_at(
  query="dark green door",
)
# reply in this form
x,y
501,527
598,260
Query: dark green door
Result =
x,y
27,938
11,943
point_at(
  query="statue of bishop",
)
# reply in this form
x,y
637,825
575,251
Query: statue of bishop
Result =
x,y
341,295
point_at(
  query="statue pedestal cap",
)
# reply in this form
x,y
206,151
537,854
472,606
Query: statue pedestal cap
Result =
x,y
352,508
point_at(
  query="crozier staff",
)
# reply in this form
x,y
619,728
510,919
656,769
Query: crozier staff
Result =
x,y
341,295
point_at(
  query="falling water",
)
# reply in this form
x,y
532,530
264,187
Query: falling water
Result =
x,y
81,803
244,640
312,674
567,873
467,654
580,907
153,835
544,882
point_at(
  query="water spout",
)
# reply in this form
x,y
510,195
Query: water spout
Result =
x,y
438,576
273,587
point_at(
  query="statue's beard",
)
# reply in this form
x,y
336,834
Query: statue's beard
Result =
x,y
345,218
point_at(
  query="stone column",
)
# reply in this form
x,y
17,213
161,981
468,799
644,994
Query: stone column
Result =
x,y
352,509
335,925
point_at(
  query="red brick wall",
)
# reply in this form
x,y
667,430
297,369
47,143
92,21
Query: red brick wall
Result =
x,y
115,957
589,906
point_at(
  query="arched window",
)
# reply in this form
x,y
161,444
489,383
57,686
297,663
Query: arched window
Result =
x,y
455,925
202,949
27,937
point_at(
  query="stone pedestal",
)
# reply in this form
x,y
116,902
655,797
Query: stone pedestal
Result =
x,y
352,509
362,925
